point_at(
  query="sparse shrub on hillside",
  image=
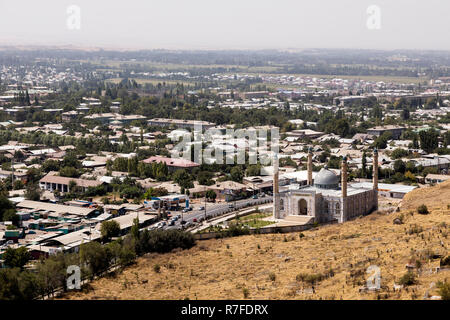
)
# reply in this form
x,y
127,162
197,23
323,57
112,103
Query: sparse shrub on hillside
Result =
x,y
422,209
235,230
414,229
444,290
157,268
310,278
245,292
272,276
408,279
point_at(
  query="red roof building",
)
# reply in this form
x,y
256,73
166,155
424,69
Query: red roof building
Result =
x,y
173,163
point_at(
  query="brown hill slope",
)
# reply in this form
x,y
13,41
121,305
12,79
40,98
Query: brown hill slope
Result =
x,y
437,196
282,266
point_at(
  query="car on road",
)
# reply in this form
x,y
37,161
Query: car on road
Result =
x,y
255,196
172,223
187,225
179,216
231,206
194,220
201,208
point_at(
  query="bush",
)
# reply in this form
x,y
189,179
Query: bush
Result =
x,y
157,268
236,230
408,279
162,241
245,292
444,290
414,228
422,209
310,278
272,276
127,252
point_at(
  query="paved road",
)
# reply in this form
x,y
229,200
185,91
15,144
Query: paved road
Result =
x,y
216,209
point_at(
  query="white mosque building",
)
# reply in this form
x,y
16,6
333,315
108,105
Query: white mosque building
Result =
x,y
326,199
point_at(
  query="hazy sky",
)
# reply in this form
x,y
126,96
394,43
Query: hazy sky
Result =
x,y
228,24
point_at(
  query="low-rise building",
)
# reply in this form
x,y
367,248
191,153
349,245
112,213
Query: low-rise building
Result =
x,y
173,163
52,182
396,131
177,123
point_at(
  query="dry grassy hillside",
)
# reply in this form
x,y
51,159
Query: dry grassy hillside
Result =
x,y
437,197
282,266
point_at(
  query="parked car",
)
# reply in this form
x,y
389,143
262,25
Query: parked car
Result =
x,y
183,222
231,206
194,220
255,196
172,223
201,208
187,225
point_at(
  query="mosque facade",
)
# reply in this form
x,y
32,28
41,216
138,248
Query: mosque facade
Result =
x,y
328,198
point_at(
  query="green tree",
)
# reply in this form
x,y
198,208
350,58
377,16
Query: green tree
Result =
x,y
210,194
70,172
95,257
429,140
183,179
364,165
9,284
6,206
33,192
155,192
109,229
399,153
16,258
237,174
51,274
399,166
135,229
